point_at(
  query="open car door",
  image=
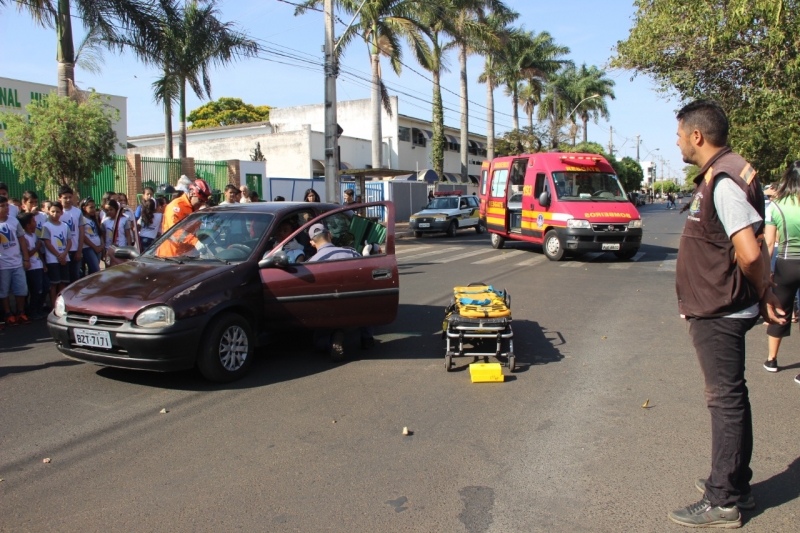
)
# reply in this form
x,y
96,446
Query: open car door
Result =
x,y
362,290
110,260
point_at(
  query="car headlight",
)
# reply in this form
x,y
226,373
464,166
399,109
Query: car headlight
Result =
x,y
635,223
440,219
60,308
159,316
578,224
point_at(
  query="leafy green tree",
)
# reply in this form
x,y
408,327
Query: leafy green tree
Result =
x,y
383,25
690,172
110,20
61,141
516,142
742,53
226,112
592,87
628,171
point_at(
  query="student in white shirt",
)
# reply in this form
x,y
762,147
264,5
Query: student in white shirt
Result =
x,y
72,218
56,237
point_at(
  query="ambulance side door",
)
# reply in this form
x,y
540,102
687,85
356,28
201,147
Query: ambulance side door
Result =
x,y
496,218
539,213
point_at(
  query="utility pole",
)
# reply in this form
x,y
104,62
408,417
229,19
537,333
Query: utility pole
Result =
x,y
331,127
611,141
637,147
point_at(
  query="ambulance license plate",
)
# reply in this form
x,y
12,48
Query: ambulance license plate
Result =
x,y
90,337
424,225
610,246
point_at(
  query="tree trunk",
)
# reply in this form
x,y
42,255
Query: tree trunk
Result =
x,y
168,128
585,123
437,148
377,140
65,54
530,120
182,123
515,104
462,59
489,117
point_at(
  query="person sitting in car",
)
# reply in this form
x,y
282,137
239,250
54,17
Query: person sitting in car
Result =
x,y
326,251
293,249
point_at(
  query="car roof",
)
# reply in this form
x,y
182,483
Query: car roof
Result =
x,y
271,207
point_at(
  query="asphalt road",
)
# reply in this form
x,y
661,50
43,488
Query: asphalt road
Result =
x,y
563,445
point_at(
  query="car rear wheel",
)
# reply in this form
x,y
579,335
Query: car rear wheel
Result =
x,y
497,241
227,349
452,229
552,246
479,228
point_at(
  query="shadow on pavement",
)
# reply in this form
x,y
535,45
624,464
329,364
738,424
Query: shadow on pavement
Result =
x,y
777,490
6,370
21,338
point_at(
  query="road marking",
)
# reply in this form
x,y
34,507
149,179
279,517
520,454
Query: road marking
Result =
x,y
463,256
668,265
533,260
500,257
406,249
626,266
586,258
442,250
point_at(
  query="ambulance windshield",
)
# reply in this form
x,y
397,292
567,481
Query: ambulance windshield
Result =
x,y
588,186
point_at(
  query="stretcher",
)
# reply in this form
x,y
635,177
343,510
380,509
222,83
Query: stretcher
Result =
x,y
478,313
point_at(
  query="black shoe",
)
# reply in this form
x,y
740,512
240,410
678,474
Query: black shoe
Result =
x,y
746,501
703,514
771,366
367,343
337,346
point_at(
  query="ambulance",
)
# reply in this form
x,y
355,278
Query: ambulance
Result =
x,y
570,203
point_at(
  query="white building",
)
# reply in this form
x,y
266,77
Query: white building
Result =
x,y
15,95
649,169
293,142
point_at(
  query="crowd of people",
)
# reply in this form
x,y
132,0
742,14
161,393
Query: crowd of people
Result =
x,y
46,246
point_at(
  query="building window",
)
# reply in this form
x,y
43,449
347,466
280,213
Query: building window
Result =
x,y
417,137
404,134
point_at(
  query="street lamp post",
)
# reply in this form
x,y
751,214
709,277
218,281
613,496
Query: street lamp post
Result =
x,y
555,136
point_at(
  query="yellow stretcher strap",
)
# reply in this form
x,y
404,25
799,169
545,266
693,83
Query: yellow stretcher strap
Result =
x,y
484,311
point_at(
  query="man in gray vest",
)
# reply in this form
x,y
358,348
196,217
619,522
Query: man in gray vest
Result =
x,y
722,281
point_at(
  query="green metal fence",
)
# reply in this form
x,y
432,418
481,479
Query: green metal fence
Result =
x,y
214,172
113,177
160,171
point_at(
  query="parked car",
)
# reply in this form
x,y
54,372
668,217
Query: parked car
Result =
x,y
448,212
219,283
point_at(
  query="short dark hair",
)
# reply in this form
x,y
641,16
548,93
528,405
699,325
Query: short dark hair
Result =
x,y
65,189
3,186
349,192
148,188
709,118
57,204
29,195
25,219
279,199
232,187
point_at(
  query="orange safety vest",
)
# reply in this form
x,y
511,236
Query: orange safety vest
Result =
x,y
179,243
176,210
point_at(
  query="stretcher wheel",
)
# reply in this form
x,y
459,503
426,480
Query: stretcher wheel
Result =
x,y
512,362
448,361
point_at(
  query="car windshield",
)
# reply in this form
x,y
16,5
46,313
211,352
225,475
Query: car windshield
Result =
x,y
213,235
588,186
443,203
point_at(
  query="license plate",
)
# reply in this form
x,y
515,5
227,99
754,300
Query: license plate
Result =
x,y
90,337
424,225
609,246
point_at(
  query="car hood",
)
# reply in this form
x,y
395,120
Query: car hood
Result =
x,y
433,212
601,211
123,290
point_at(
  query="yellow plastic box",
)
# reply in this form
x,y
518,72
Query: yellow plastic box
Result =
x,y
486,373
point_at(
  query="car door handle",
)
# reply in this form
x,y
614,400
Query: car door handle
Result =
x,y
382,273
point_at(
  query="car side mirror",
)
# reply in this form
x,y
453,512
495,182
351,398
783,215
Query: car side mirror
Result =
x,y
277,260
544,199
126,252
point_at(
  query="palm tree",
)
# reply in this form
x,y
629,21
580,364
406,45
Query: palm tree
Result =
x,y
530,94
528,56
498,22
560,97
382,24
111,20
592,88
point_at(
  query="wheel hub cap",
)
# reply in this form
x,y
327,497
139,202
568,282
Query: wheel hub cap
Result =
x,y
233,348
552,246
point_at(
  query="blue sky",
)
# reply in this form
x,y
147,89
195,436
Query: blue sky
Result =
x,y
589,28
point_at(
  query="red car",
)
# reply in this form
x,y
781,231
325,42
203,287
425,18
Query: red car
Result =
x,y
219,283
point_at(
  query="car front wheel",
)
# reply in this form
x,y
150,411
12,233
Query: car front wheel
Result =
x,y
552,246
479,228
227,349
452,229
497,241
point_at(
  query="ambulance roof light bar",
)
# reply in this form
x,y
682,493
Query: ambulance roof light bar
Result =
x,y
578,158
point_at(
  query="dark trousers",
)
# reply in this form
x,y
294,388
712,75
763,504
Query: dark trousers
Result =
x,y
35,280
74,267
719,343
787,279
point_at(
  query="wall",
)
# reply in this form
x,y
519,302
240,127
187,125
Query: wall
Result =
x,y
24,92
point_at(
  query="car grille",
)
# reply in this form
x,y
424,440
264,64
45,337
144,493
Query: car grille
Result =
x,y
106,321
424,219
610,227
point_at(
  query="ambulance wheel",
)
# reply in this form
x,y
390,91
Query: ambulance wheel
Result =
x,y
479,228
452,229
626,255
417,234
497,241
448,361
552,246
512,362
